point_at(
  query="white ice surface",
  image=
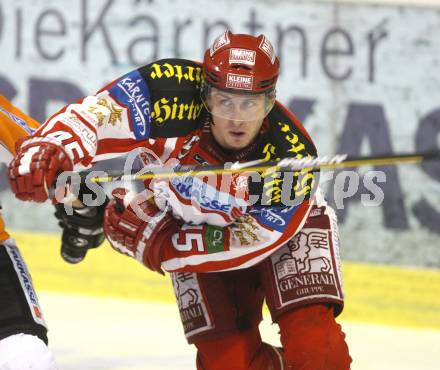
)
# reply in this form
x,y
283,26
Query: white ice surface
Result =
x,y
91,333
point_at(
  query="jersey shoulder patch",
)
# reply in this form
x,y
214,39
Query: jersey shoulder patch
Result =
x,y
132,92
176,105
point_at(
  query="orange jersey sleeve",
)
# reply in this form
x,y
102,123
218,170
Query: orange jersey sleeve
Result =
x,y
14,124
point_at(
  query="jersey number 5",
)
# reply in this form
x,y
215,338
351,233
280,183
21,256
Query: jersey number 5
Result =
x,y
189,238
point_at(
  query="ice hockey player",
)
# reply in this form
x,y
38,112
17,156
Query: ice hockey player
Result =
x,y
228,247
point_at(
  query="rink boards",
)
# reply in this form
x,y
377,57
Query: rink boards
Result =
x,y
374,293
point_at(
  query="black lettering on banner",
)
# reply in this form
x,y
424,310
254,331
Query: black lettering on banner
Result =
x,y
2,22
374,37
427,140
7,89
254,27
301,108
41,31
367,121
293,30
41,92
208,28
18,32
178,31
154,39
88,29
329,52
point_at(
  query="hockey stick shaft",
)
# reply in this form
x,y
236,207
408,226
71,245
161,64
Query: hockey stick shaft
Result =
x,y
338,161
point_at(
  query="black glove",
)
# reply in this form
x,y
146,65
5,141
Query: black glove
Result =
x,y
81,231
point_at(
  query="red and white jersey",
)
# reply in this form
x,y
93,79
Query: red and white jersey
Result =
x,y
142,110
245,242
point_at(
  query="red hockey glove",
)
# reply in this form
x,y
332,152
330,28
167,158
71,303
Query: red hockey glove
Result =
x,y
136,227
33,170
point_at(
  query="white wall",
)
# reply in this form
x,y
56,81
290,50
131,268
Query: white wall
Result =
x,y
412,3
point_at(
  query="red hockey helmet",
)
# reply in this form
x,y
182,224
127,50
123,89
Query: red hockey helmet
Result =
x,y
240,64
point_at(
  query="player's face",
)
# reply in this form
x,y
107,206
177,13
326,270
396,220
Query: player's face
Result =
x,y
237,118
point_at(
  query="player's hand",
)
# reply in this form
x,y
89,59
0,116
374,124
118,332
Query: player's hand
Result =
x,y
33,170
136,227
214,200
82,230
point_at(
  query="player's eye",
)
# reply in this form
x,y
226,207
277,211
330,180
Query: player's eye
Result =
x,y
249,104
226,103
